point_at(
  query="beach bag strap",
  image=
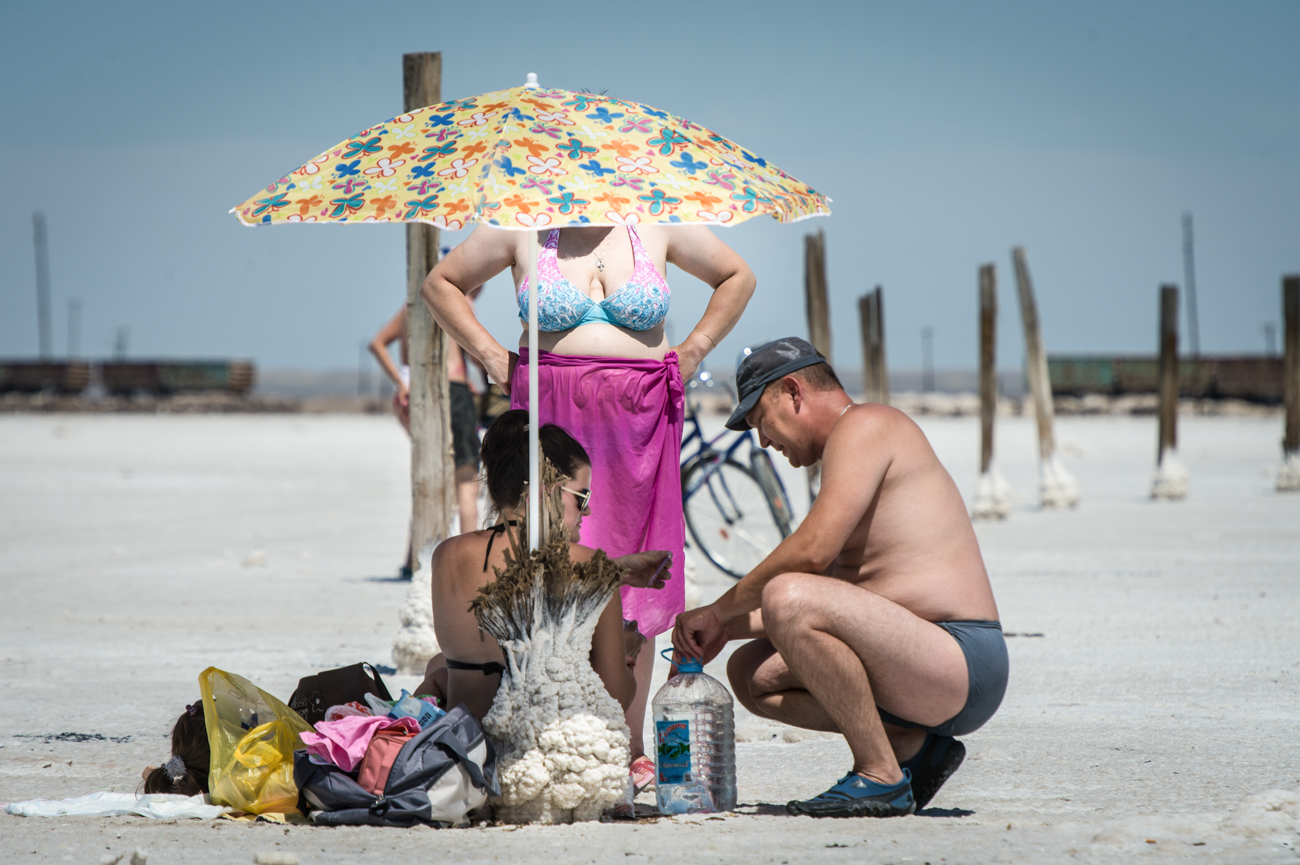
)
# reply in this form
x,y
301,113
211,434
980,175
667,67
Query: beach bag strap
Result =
x,y
328,688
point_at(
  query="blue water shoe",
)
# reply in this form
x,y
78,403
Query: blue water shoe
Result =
x,y
855,796
934,764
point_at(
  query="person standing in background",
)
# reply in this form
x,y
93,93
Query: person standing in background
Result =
x,y
464,414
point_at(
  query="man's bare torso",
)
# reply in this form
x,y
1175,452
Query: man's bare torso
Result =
x,y
915,544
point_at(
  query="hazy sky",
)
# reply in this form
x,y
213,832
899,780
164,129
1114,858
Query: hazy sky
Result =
x,y
945,133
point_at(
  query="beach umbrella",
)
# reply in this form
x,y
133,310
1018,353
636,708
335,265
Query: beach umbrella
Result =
x,y
528,158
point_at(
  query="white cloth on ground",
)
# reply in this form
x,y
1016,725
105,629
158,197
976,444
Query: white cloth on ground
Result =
x,y
105,804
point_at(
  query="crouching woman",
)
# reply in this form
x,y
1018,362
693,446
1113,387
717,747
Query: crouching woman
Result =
x,y
470,667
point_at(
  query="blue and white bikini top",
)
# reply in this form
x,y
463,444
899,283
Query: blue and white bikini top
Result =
x,y
642,302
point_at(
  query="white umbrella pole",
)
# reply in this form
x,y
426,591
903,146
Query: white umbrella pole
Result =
x,y
534,430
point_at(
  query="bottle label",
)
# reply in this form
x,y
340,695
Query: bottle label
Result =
x,y
673,747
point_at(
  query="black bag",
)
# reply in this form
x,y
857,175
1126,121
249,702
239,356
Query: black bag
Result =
x,y
328,688
441,776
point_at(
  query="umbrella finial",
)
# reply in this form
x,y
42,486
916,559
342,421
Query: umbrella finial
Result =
x,y
530,81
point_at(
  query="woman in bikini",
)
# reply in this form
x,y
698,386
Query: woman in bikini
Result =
x,y
607,373
469,669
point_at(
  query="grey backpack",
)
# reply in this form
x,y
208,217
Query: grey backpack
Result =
x,y
441,776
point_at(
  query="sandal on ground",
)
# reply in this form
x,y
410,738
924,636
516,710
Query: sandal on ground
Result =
x,y
855,796
934,764
643,773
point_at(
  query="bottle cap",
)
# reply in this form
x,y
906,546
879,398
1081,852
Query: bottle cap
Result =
x,y
684,665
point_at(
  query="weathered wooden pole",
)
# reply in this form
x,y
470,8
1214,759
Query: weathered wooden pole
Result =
x,y
1171,478
1057,488
869,392
876,344
875,378
815,295
993,498
432,482
1288,478
819,316
433,487
43,327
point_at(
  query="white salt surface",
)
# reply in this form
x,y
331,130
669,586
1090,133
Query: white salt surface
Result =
x,y
1159,705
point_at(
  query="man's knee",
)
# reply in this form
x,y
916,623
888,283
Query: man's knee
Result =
x,y
786,601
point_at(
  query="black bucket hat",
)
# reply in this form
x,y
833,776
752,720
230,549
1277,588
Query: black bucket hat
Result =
x,y
761,366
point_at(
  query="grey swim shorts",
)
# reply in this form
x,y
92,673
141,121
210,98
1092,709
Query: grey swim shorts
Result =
x,y
988,666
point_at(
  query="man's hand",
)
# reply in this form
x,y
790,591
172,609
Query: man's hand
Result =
x,y
647,570
700,633
403,395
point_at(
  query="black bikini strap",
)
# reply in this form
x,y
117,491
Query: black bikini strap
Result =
x,y
487,669
498,529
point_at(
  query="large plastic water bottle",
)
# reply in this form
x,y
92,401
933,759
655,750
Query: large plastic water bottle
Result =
x,y
695,743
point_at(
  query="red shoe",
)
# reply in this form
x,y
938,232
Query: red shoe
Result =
x,y
643,773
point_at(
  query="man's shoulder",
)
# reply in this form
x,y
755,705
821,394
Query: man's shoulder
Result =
x,y
873,430
875,419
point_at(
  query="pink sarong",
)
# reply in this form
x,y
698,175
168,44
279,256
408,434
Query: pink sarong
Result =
x,y
628,415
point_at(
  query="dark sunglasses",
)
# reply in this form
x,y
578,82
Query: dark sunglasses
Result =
x,y
583,497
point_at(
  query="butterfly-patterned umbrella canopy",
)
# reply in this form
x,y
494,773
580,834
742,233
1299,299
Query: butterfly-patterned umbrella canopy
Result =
x,y
531,157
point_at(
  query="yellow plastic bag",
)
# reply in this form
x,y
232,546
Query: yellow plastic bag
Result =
x,y
253,736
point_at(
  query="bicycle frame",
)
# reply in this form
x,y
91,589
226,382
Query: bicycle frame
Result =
x,y
713,457
708,449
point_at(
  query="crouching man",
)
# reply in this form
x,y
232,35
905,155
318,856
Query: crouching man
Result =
x,y
875,619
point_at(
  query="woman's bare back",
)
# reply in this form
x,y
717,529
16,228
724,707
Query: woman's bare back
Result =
x,y
458,574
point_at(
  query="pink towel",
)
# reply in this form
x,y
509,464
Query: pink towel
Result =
x,y
344,742
628,415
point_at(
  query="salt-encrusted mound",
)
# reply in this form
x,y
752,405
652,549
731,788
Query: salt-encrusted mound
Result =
x,y
1288,476
562,744
416,643
1171,480
1057,488
992,498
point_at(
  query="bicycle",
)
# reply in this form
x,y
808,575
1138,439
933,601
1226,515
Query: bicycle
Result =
x,y
736,507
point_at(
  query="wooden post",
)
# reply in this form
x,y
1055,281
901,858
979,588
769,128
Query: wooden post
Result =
x,y
877,341
1056,487
1288,479
993,498
1171,478
869,390
43,328
433,489
819,318
875,378
1168,371
988,363
814,284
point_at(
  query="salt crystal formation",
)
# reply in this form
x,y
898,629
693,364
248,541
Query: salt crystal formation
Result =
x,y
1288,476
993,498
561,742
1057,488
1171,478
416,643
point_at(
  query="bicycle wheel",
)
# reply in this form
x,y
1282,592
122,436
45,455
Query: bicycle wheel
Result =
x,y
761,465
728,515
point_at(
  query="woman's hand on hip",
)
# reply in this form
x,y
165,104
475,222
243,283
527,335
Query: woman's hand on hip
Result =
x,y
501,367
688,360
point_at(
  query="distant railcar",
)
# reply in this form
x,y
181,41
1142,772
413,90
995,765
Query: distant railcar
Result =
x,y
34,376
175,376
1255,378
